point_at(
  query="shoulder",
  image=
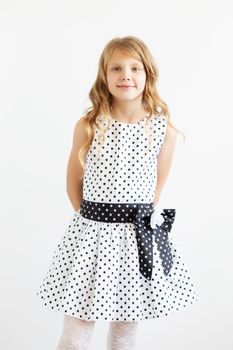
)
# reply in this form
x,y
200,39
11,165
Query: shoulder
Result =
x,y
170,137
168,130
81,126
80,131
171,133
160,120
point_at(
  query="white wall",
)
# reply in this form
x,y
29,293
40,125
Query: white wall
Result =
x,y
48,62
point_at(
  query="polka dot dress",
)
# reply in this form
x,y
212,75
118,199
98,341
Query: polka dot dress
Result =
x,y
94,272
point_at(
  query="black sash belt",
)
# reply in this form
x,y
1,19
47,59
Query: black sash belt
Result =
x,y
139,214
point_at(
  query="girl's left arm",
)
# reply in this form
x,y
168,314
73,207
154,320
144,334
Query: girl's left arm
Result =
x,y
164,160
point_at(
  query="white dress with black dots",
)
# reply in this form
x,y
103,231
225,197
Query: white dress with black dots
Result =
x,y
94,272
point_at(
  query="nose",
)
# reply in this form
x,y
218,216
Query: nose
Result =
x,y
125,75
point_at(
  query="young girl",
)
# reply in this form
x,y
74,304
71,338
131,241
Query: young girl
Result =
x,y
117,260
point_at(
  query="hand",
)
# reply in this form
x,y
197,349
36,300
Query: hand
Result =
x,y
156,218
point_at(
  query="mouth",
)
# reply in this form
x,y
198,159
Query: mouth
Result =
x,y
125,86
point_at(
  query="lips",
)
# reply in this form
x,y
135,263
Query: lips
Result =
x,y
125,86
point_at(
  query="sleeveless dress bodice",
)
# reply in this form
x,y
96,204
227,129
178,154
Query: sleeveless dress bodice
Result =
x,y
124,172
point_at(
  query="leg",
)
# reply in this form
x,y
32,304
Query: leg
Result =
x,y
121,335
76,333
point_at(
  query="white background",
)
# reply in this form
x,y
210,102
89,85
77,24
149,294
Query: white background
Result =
x,y
48,63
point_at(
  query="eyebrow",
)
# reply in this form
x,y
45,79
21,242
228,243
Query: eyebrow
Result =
x,y
134,63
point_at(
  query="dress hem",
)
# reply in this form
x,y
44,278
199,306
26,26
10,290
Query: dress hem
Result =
x,y
122,319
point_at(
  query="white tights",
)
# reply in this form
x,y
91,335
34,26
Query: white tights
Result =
x,y
121,335
76,334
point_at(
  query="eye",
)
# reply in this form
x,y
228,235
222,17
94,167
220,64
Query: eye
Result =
x,y
134,68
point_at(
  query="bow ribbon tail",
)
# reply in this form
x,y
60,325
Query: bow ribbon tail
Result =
x,y
145,235
162,239
165,254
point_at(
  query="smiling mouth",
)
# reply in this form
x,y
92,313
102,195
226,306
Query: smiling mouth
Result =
x,y
126,87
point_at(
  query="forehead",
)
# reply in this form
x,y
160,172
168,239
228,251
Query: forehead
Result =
x,y
120,57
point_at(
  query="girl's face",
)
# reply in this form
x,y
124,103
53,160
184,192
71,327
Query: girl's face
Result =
x,y
126,77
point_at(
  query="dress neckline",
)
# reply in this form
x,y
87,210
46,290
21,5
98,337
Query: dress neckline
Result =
x,y
126,123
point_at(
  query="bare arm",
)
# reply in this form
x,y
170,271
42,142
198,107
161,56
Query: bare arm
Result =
x,y
74,183
165,158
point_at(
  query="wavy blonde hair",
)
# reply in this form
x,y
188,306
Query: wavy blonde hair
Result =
x,y
101,98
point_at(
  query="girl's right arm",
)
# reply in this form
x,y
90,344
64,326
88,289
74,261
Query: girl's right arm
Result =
x,y
74,181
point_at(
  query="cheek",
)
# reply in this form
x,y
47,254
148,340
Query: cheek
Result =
x,y
110,79
142,81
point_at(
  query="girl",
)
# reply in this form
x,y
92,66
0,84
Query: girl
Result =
x,y
117,260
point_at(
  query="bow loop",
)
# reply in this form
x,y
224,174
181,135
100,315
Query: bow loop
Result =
x,y
169,217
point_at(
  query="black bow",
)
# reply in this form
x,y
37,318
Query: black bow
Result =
x,y
144,235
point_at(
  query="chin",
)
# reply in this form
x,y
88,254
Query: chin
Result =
x,y
125,96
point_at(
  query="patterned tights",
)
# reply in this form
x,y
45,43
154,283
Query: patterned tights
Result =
x,y
77,333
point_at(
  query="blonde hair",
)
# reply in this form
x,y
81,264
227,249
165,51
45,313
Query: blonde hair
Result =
x,y
101,98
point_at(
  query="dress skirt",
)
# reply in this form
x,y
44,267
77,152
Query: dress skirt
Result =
x,y
94,275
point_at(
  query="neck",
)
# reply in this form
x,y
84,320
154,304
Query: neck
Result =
x,y
128,111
